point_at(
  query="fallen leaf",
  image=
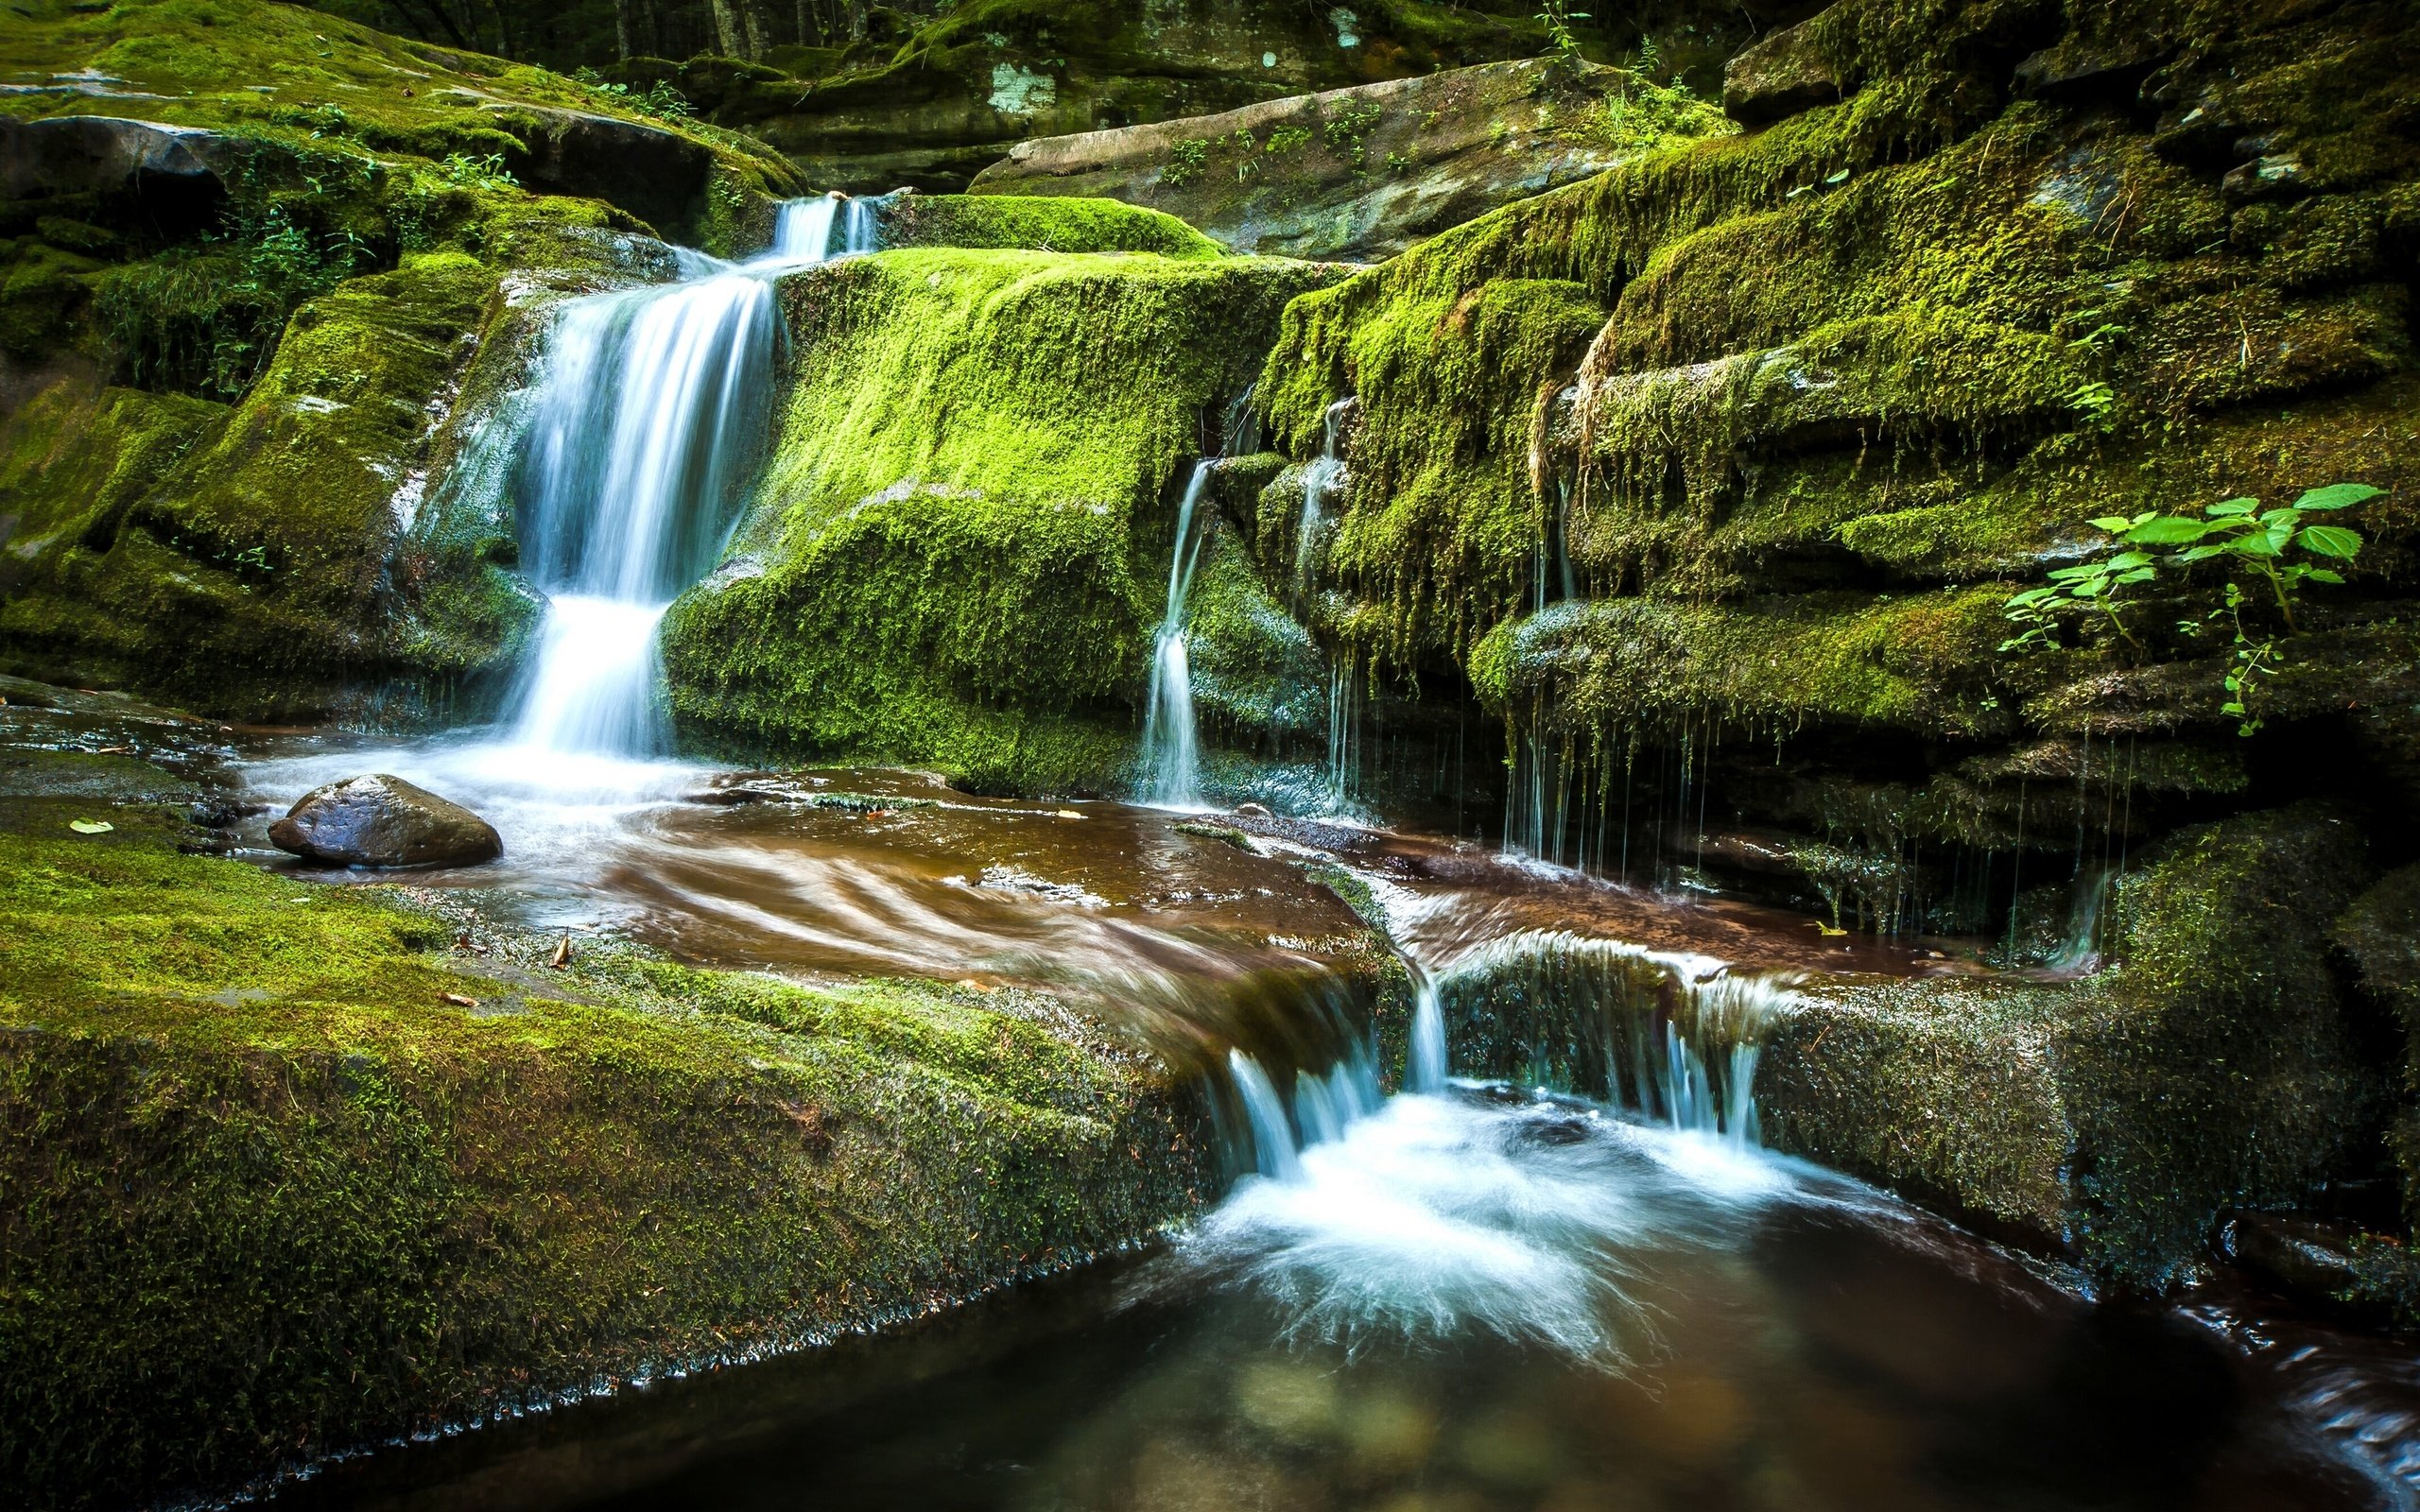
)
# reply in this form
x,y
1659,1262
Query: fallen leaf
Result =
x,y
562,954
91,826
1069,814
458,1000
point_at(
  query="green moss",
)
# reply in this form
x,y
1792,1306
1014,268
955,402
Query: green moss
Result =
x,y
2212,1067
2117,1119
1257,673
1766,665
275,1196
204,591
1047,225
958,544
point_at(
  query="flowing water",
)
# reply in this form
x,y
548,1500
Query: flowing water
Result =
x,y
1172,746
645,418
1569,1279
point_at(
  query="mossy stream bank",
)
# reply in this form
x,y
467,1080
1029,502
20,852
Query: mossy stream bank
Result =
x,y
293,1169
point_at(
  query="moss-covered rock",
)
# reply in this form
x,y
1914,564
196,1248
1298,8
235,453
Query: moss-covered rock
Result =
x,y
235,328
2114,1119
958,543
285,1177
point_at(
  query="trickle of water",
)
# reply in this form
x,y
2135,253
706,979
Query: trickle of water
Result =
x,y
648,413
1424,1068
1171,742
1321,480
1272,1136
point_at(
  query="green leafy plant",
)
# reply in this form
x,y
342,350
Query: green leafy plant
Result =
x,y
2269,554
1187,159
659,99
1557,18
478,173
1289,139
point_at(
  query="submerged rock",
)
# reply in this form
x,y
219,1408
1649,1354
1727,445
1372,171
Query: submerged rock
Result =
x,y
378,821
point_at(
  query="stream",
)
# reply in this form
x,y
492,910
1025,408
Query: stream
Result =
x,y
1474,1296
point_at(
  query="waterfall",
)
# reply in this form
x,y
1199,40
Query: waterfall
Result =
x,y
1676,1037
1424,1067
1321,480
649,408
1272,1136
1172,746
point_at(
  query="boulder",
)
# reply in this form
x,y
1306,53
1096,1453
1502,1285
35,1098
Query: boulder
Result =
x,y
1778,79
378,821
104,154
656,174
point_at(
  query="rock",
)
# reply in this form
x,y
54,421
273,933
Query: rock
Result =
x,y
2275,176
657,174
2106,1119
379,820
105,154
1253,811
2079,68
1778,77
1358,173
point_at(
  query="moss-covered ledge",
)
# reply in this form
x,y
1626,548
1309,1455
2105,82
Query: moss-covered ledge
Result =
x,y
282,1174
2113,1119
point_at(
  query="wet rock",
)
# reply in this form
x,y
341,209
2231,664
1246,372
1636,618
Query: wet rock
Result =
x,y
2082,68
379,820
1778,79
2106,1119
2307,1260
2275,176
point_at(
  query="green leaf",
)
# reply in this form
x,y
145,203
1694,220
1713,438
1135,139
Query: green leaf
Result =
x,y
2137,575
2321,575
2167,530
2233,507
2116,524
2259,543
2330,541
2276,517
2200,553
2337,496
91,826
2128,559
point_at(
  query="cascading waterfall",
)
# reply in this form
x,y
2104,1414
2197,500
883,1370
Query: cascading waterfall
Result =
x,y
649,408
1171,742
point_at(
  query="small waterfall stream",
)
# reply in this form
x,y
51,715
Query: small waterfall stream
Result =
x,y
649,407
1171,742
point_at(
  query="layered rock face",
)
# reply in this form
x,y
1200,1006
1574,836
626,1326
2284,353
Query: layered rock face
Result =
x,y
1712,476
1363,173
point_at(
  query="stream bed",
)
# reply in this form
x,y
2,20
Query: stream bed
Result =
x,y
1471,1296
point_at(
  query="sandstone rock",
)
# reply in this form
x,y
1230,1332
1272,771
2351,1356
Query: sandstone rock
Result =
x,y
1776,78
1358,173
379,820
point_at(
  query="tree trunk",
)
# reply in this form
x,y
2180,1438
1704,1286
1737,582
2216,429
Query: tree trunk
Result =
x,y
622,28
726,30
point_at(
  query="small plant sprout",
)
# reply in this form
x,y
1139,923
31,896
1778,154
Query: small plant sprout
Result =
x,y
2269,556
1557,18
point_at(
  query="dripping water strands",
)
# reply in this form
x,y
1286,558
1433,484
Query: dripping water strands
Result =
x,y
645,425
1471,1207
